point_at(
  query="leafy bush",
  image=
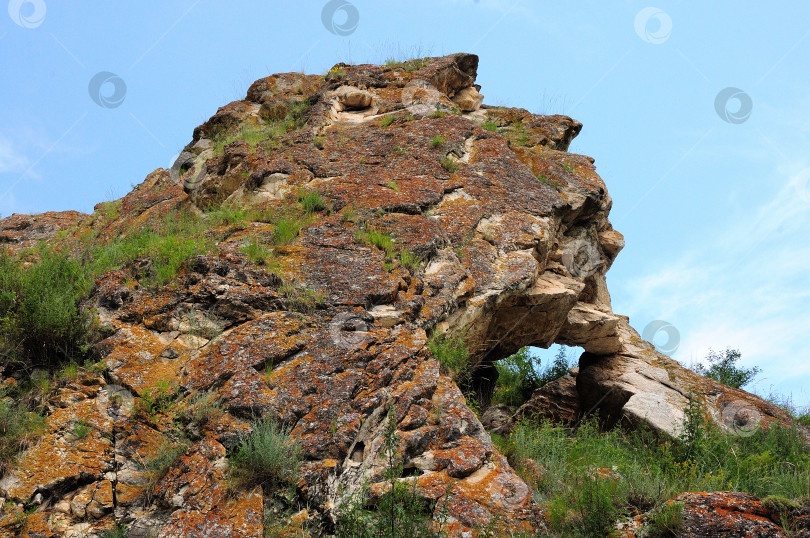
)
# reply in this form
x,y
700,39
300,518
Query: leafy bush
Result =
x,y
519,375
723,368
267,456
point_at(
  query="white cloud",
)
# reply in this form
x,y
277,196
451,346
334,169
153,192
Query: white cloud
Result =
x,y
746,288
11,160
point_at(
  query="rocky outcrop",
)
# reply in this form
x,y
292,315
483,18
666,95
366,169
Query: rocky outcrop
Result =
x,y
495,234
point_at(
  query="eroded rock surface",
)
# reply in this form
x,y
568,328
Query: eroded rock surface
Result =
x,y
512,241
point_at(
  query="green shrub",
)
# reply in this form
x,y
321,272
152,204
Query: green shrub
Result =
x,y
40,320
490,126
451,352
267,456
519,375
437,141
156,400
723,368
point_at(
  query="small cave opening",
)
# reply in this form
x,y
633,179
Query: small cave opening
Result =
x,y
510,380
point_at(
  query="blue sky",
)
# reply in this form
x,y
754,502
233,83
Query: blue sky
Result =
x,y
713,198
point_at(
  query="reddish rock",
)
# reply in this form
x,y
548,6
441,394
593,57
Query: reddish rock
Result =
x,y
725,514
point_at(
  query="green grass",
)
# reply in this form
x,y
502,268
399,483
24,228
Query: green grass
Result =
x,y
666,520
265,135
110,210
409,65
80,430
301,298
167,245
286,230
542,178
378,239
259,254
567,167
19,428
653,469
312,201
202,408
387,120
235,217
268,456
437,141
438,114
393,186
490,126
156,468
450,165
451,352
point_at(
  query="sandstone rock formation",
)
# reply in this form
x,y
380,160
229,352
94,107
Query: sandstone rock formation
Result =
x,y
512,240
